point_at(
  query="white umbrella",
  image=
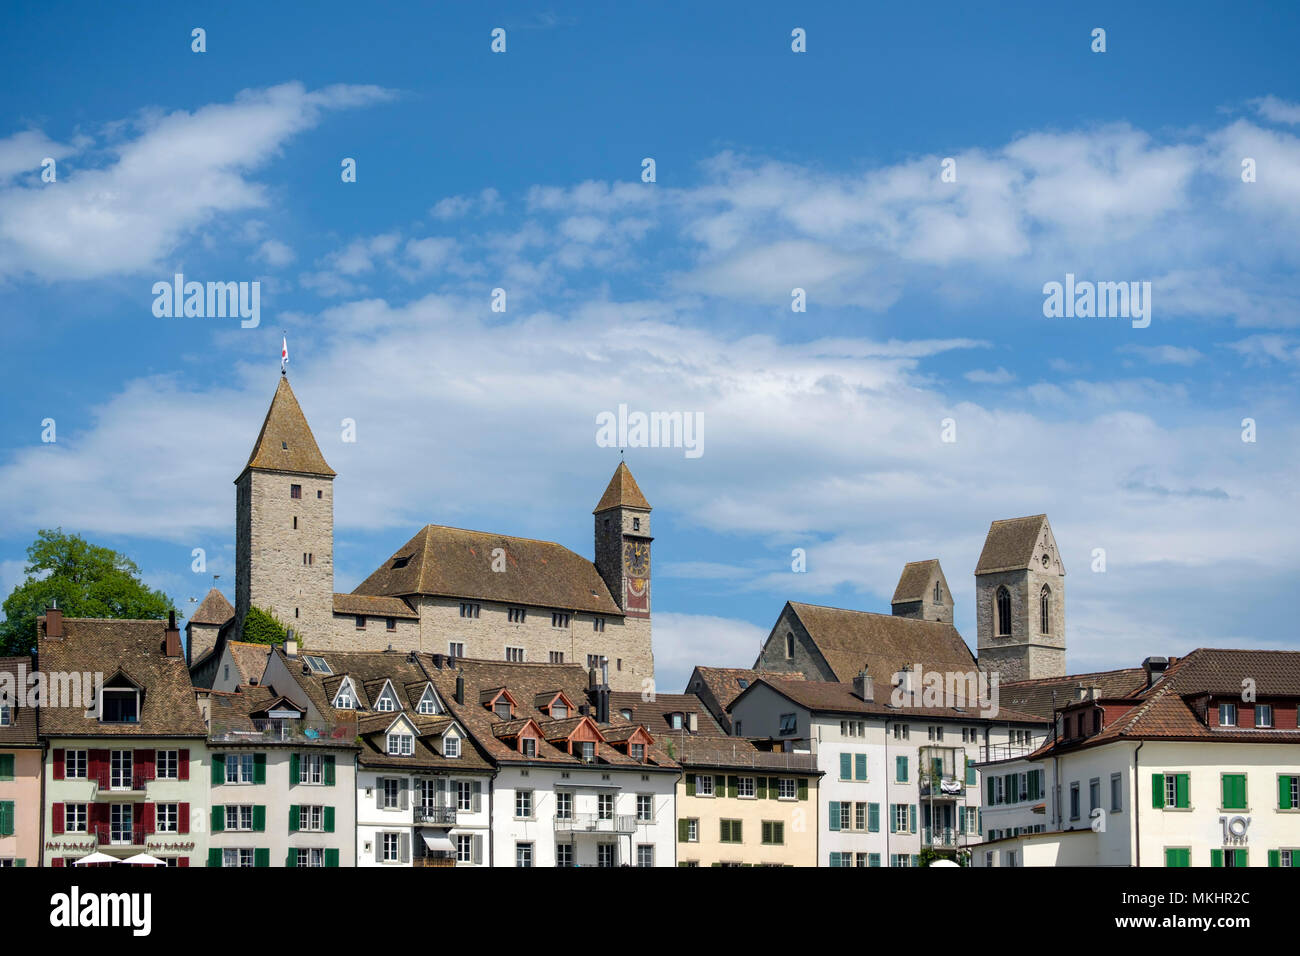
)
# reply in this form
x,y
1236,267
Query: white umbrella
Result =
x,y
95,857
144,859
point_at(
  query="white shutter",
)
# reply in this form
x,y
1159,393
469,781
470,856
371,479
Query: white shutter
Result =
x,y
404,841
405,791
477,843
478,795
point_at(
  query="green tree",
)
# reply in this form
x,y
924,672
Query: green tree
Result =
x,y
262,627
85,579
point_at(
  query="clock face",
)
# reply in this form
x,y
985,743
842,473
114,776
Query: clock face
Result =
x,y
636,558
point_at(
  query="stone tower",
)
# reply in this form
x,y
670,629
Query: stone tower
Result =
x,y
1020,601
922,593
284,524
623,554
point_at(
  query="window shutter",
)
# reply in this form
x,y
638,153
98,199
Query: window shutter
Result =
x,y
147,816
60,757
912,818
873,818
916,860
979,820
760,788
259,768
293,769
1216,858
1284,792
214,854
803,788
961,819
846,768
835,815
404,841
893,818
262,857
218,769
970,772
1158,791
719,785
183,764
860,766
331,856
182,818
295,814
259,818
56,824
218,819
7,818
329,770
1243,857
477,845
329,819
477,802
6,766
291,858
683,830
690,784
1274,858
404,798
733,784
1180,790
988,786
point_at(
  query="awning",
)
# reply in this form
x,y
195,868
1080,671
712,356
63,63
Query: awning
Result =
x,y
437,842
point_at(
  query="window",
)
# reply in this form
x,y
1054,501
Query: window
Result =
x,y
745,787
703,785
787,725
1004,611
1116,792
1227,715
563,805
451,746
1045,610
901,814
605,806
167,764
1263,715
345,699
587,750
361,622
166,817
789,645
605,854
645,854
559,710
515,655
311,818
1234,791
523,804
311,769
523,854
392,848
295,491
528,746
239,817
239,768
317,665
516,615
313,856
1288,792
773,832
6,715
938,593
120,705
1094,794
464,848
455,649
1178,856
636,752
386,702
391,793
731,831
901,732
564,854
645,807
74,818
689,830
559,619
318,493
1074,801
470,610
1170,790
390,623
428,703
401,745
859,816
557,657
675,721
502,708
598,625
236,858
786,789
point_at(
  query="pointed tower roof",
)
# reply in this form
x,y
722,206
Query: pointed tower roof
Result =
x,y
286,442
914,582
215,609
1010,544
622,492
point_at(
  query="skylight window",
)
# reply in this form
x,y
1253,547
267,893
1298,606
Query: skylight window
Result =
x,y
401,562
318,665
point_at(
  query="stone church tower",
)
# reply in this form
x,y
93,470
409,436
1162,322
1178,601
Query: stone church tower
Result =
x,y
623,554
922,593
1020,601
284,524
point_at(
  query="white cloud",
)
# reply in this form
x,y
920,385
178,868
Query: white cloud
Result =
x,y
275,253
998,376
1276,110
683,641
1163,354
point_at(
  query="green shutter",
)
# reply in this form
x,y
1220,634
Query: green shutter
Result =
x,y
900,765
916,859
893,818
860,766
873,818
1181,791
1178,856
1216,858
690,784
835,815
912,818
218,769
329,819
214,857
873,859
218,819
1284,792
6,766
261,857
846,766
1274,858
294,814
733,784
970,773
21,861
331,856
803,788
1158,791
293,769
1233,786
760,788
259,818
329,770
7,818
988,785
259,768
291,859
720,785
683,831
1243,857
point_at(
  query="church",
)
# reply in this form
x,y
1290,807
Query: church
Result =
x,y
447,591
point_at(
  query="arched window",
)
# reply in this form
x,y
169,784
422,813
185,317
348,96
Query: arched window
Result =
x,y
1004,611
1045,609
938,594
789,645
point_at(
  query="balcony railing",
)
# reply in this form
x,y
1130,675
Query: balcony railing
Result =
x,y
942,786
438,816
993,752
942,837
594,823
107,835
107,783
244,731
434,861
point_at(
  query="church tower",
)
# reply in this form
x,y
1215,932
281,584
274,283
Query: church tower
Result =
x,y
284,524
623,558
922,593
1020,601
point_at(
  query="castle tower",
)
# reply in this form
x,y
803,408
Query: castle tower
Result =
x,y
284,524
623,556
1020,601
922,593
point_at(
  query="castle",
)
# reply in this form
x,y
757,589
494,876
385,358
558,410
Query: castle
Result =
x,y
445,591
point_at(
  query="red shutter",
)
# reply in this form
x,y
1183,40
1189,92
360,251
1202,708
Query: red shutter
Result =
x,y
143,764
183,765
146,816
57,823
58,861
183,821
58,763
97,766
183,861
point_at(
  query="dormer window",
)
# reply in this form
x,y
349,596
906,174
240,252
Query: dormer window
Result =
x,y
345,699
401,745
637,752
386,702
626,713
559,710
502,709
119,705
675,721
528,746
587,750
1227,715
428,703
451,746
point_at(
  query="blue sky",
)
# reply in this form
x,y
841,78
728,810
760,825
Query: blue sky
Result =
x,y
775,170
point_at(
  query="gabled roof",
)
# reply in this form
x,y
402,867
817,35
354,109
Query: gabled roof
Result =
x,y
374,605
736,752
1010,544
21,732
883,643
1045,694
285,442
454,562
914,582
622,492
717,687
654,714
833,697
249,660
214,609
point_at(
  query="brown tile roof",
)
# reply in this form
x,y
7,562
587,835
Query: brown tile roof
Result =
x,y
914,582
526,682
133,648
21,731
285,442
717,687
453,562
726,752
653,714
1010,544
250,660
1036,696
373,605
885,644
214,609
622,491
838,698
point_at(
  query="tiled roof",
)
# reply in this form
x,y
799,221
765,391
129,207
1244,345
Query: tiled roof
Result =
x,y
1010,544
250,660
914,582
722,751
526,682
838,698
885,644
622,491
21,732
717,687
653,714
453,562
214,609
285,442
133,648
373,605
1036,696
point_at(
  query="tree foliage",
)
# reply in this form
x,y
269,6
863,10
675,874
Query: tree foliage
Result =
x,y
262,627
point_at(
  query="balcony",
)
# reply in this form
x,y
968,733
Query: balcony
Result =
x,y
991,753
109,835
943,772
434,861
242,730
108,787
594,823
437,816
944,788
941,838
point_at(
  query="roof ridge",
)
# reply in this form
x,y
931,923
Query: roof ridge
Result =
x,y
849,610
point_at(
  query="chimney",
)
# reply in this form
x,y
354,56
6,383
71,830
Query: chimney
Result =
x,y
863,686
290,643
439,660
54,623
460,689
1155,668
172,639
592,681
1080,692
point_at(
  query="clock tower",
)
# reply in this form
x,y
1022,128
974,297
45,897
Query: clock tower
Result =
x,y
623,543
